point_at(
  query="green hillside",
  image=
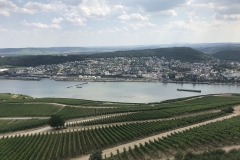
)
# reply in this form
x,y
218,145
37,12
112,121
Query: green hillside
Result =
x,y
229,55
178,53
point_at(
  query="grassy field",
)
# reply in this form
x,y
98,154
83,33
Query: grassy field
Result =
x,y
9,96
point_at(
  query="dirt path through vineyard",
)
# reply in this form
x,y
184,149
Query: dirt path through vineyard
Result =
x,y
49,129
228,148
131,144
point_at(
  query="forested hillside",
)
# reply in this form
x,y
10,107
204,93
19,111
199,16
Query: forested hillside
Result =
x,y
28,61
229,55
179,53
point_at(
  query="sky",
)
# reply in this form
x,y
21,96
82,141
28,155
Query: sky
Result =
x,y
45,23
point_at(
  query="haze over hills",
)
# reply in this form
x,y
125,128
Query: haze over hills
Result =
x,y
209,48
179,53
213,48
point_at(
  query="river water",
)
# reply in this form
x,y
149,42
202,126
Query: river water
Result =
x,y
140,92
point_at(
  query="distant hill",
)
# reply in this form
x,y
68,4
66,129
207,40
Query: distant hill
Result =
x,y
68,50
212,48
208,48
28,61
229,55
53,51
178,53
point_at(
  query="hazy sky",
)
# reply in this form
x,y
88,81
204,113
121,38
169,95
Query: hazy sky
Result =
x,y
45,23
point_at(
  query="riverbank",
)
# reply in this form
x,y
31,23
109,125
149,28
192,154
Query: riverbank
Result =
x,y
75,79
22,78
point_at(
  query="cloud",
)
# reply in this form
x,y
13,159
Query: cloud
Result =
x,y
112,30
231,9
54,26
139,25
5,13
182,25
95,8
74,18
57,20
168,13
229,12
40,25
7,4
155,5
135,21
72,2
35,25
217,2
2,30
6,7
119,7
132,17
227,17
34,7
223,9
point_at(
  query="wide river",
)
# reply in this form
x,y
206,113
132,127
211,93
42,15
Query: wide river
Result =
x,y
141,92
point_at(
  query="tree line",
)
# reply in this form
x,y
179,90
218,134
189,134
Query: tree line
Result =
x,y
179,53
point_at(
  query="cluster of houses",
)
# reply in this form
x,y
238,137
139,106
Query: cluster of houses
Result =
x,y
148,68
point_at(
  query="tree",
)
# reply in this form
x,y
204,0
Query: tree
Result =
x,y
96,156
228,110
56,121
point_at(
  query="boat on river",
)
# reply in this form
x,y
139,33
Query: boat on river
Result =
x,y
189,90
78,86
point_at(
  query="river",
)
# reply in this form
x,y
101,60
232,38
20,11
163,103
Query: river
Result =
x,y
140,92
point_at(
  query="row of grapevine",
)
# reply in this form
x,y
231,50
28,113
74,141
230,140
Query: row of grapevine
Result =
x,y
23,110
157,114
25,124
212,134
70,144
20,108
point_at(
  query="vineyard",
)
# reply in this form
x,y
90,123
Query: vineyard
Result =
x,y
158,114
203,137
4,122
76,143
23,110
12,107
97,125
21,125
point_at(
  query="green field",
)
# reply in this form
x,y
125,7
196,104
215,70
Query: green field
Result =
x,y
9,96
23,110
